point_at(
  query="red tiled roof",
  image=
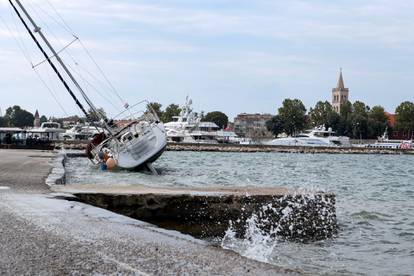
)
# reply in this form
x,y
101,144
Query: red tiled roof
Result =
x,y
391,119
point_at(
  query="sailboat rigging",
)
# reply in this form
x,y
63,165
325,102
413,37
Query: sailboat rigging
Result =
x,y
137,144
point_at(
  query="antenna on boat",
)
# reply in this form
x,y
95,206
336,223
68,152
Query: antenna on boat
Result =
x,y
38,30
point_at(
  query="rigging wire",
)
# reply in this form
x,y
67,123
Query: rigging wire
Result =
x,y
44,53
92,86
19,42
69,29
102,72
54,19
25,52
67,51
58,52
51,92
23,49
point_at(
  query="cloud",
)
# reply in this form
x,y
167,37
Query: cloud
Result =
x,y
236,46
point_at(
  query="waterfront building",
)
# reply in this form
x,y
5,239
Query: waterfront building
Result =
x,y
340,94
69,122
36,122
395,133
252,125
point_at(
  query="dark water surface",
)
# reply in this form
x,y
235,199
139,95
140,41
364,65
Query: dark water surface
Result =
x,y
375,203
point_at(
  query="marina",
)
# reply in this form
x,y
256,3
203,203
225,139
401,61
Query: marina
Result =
x,y
279,167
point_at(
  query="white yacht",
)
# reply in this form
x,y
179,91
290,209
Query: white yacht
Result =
x,y
133,146
317,137
81,132
188,128
48,130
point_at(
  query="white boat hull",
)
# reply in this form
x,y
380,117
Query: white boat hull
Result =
x,y
135,146
145,149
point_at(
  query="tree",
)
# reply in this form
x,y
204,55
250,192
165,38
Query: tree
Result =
x,y
217,117
275,125
156,107
360,108
377,121
321,113
346,109
377,113
405,117
19,117
100,114
336,122
171,111
4,122
359,126
293,115
43,119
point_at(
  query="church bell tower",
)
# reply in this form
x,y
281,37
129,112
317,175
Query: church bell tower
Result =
x,y
340,94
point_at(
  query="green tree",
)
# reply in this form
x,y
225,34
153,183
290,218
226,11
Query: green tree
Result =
x,y
346,110
4,122
336,123
217,117
293,114
320,114
405,117
360,108
43,119
98,115
275,125
359,126
171,111
19,117
377,113
377,122
156,107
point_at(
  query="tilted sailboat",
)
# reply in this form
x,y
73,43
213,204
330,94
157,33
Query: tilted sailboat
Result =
x,y
137,144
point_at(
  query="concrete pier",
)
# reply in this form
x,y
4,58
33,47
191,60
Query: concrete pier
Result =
x,y
209,212
42,234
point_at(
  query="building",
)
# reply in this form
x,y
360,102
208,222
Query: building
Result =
x,y
252,125
36,122
340,94
397,134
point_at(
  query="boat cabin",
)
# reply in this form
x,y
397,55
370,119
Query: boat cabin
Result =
x,y
11,135
47,131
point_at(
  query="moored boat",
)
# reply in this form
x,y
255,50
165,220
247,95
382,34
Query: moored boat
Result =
x,y
317,137
138,144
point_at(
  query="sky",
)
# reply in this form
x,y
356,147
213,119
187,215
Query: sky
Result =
x,y
229,55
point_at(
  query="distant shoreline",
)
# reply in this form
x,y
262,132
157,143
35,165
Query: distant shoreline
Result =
x,y
259,148
81,145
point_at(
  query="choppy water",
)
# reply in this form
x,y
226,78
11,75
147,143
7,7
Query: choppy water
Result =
x,y
375,203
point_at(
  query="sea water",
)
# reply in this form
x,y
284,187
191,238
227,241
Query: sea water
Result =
x,y
375,203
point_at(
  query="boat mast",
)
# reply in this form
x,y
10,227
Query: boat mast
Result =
x,y
37,29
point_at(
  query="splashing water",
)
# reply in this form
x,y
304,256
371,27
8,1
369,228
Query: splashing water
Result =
x,y
257,244
374,204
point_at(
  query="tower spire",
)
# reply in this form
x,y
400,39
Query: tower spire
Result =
x,y
340,84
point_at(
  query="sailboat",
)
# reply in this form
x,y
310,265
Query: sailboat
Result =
x,y
133,146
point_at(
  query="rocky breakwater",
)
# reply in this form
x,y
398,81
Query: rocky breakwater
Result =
x,y
209,213
81,145
282,149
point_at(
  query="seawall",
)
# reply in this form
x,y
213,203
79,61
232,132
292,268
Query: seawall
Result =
x,y
257,148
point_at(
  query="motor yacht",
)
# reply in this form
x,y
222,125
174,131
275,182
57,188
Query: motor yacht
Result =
x,y
188,128
317,137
